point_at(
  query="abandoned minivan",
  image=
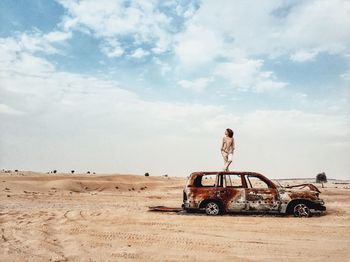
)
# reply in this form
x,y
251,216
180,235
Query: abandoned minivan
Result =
x,y
219,192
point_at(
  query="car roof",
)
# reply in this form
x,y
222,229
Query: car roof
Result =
x,y
200,173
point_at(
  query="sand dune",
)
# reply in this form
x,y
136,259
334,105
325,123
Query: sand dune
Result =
x,y
64,217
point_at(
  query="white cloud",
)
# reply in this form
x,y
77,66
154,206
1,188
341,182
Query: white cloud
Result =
x,y
319,25
346,76
299,123
115,52
300,30
242,74
112,48
33,42
263,85
186,11
303,55
294,142
139,53
276,28
5,109
198,45
142,20
17,57
83,122
164,67
57,36
197,84
247,74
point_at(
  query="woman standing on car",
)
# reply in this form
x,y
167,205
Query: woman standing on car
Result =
x,y
227,148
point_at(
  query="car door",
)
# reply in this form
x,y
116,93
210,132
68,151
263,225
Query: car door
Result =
x,y
260,195
206,187
234,192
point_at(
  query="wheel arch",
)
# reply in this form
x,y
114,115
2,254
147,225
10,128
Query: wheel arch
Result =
x,y
292,203
218,201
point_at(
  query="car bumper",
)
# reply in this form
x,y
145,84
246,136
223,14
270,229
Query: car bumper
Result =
x,y
189,205
319,207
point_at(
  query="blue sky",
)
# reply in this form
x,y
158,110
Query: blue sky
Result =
x,y
149,86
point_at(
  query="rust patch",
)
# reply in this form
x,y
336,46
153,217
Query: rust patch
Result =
x,y
302,186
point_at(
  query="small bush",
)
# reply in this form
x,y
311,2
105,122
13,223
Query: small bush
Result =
x,y
321,178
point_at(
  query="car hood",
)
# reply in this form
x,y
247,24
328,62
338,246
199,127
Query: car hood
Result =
x,y
303,191
310,187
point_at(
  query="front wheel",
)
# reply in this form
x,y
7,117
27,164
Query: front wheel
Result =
x,y
212,209
301,210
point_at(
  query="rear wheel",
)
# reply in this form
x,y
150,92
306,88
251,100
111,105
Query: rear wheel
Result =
x,y
212,209
301,210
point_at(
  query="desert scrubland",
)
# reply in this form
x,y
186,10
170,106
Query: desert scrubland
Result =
x,y
80,217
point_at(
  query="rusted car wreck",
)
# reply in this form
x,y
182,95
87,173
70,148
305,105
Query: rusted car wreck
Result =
x,y
219,192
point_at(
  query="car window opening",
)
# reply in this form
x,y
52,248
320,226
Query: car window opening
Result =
x,y
206,181
256,182
233,181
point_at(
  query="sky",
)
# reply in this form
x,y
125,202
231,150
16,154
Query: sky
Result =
x,y
151,86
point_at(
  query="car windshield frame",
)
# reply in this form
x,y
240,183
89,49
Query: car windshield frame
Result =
x,y
268,182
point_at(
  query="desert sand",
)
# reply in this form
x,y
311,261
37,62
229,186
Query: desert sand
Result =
x,y
64,217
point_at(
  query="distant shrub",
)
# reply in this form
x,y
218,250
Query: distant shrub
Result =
x,y
72,171
55,171
88,172
321,178
146,174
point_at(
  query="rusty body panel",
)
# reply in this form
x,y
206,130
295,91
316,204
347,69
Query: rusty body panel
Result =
x,y
301,186
246,192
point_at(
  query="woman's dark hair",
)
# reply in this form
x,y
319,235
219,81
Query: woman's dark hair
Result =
x,y
229,132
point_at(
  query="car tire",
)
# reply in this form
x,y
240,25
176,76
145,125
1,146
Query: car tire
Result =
x,y
301,210
213,208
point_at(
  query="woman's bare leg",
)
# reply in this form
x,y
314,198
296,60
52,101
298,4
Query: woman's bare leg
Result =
x,y
225,157
228,163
